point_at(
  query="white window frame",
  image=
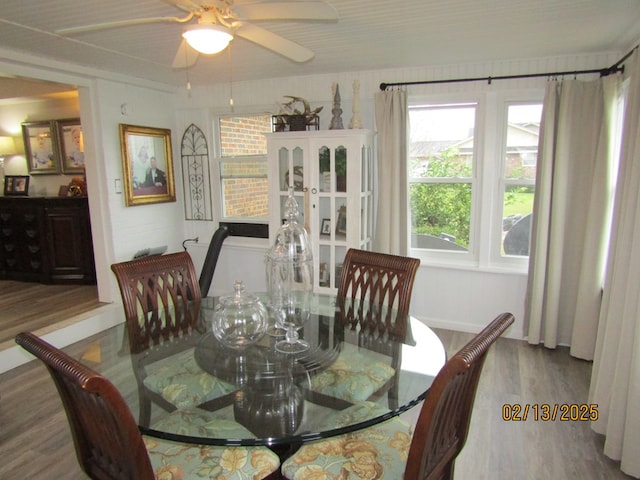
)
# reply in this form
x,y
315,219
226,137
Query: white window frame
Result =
x,y
218,159
452,257
488,188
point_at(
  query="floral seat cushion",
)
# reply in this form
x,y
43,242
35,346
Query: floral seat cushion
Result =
x,y
359,412
378,452
354,376
171,460
180,381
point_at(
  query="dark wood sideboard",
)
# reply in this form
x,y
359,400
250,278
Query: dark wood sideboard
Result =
x,y
46,240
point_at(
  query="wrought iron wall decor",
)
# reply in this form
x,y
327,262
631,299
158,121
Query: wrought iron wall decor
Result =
x,y
196,175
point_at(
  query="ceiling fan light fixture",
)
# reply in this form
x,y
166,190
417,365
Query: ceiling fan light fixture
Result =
x,y
207,39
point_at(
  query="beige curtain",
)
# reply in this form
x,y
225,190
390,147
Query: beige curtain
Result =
x,y
391,219
615,380
571,214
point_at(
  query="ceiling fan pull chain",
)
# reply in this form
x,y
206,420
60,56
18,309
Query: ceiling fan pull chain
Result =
x,y
230,79
186,62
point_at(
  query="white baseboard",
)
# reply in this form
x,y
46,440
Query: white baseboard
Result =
x,y
514,332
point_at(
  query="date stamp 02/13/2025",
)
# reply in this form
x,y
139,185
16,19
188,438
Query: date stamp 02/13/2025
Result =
x,y
545,412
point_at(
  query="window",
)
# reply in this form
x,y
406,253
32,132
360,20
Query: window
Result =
x,y
441,175
519,176
242,160
472,169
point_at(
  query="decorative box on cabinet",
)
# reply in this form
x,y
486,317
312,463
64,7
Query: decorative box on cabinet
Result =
x,y
46,240
332,172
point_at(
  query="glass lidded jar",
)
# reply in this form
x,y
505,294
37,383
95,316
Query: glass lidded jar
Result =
x,y
240,319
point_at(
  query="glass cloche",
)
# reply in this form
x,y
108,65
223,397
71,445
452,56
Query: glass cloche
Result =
x,y
240,319
290,277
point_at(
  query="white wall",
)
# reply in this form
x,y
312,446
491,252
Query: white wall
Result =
x,y
118,231
462,299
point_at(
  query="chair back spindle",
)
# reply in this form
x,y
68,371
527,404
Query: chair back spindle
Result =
x,y
161,298
381,280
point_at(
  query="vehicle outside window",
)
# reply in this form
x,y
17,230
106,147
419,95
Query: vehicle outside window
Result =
x,y
519,176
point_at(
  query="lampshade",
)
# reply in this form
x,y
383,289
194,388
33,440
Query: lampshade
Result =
x,y
207,39
7,146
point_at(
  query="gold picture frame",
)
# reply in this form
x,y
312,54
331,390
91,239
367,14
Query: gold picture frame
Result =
x,y
41,148
142,149
71,141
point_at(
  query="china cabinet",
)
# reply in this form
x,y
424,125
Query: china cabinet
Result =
x,y
333,175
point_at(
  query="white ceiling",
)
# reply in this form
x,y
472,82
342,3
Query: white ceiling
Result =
x,y
370,35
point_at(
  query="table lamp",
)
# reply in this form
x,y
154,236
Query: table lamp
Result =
x,y
7,148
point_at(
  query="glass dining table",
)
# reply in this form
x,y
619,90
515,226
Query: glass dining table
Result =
x,y
287,399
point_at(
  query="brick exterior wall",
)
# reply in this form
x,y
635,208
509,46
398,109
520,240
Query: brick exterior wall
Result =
x,y
246,195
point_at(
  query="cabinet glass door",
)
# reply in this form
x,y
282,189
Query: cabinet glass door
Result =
x,y
331,205
333,176
291,172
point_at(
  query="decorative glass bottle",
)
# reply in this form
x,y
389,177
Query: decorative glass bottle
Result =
x,y
290,277
240,319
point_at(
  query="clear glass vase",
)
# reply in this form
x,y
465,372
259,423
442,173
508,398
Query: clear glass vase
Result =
x,y
290,278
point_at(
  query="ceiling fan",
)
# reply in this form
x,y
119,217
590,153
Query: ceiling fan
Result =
x,y
218,21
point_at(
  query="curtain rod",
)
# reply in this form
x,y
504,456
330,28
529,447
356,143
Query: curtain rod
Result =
x,y
616,67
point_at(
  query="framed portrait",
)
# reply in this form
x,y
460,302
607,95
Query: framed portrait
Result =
x,y
147,165
341,224
41,148
71,144
16,185
326,227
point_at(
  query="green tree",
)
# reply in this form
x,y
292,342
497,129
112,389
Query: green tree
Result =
x,y
443,207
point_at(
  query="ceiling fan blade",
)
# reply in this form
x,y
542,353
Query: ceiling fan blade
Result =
x,y
185,5
275,43
122,23
185,56
286,11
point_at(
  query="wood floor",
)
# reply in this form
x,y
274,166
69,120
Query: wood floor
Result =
x,y
35,442
32,306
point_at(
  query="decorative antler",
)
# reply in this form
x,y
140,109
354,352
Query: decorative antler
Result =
x,y
289,109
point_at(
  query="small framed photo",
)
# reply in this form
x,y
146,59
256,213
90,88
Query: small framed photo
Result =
x,y
71,145
326,227
341,224
41,148
147,165
16,185
324,275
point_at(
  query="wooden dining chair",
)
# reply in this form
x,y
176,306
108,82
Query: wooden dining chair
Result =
x,y
382,284
394,449
108,443
383,280
161,299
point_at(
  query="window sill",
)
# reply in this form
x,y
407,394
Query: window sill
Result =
x,y
470,266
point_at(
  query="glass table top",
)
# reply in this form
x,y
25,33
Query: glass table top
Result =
x,y
336,386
